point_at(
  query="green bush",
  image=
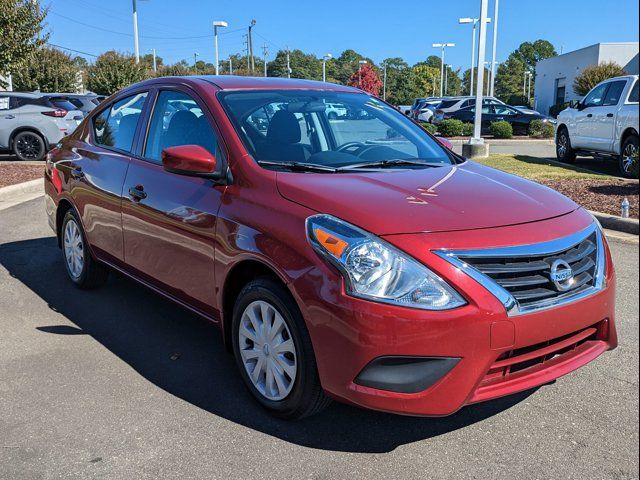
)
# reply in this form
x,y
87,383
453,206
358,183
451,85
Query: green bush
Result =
x,y
535,128
548,130
451,127
501,129
467,130
429,127
554,110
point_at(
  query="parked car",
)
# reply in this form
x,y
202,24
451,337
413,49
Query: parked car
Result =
x,y
453,104
363,262
83,102
335,111
494,113
604,124
424,107
31,123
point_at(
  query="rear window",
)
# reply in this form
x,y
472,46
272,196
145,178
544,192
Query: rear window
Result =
x,y
76,102
62,102
633,96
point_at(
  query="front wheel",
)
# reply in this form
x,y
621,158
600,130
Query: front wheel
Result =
x,y
629,157
273,351
29,146
564,152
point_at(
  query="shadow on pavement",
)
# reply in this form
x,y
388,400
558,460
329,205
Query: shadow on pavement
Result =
x,y
184,355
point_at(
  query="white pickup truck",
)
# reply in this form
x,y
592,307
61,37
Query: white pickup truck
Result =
x,y
603,124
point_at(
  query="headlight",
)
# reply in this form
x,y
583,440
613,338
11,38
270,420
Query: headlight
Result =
x,y
377,271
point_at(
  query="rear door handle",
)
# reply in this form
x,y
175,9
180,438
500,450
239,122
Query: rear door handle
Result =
x,y
589,115
610,115
137,193
77,173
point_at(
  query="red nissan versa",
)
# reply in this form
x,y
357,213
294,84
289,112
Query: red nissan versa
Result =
x,y
352,258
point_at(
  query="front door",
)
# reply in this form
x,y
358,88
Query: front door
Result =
x,y
605,117
586,117
169,219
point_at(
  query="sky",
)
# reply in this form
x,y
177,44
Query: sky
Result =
x,y
377,29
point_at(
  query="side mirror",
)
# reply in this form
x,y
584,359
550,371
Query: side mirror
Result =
x,y
580,106
190,160
445,143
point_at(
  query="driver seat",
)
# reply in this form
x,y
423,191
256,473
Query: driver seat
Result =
x,y
283,139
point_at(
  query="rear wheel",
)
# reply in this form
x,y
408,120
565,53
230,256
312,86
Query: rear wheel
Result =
x,y
82,269
629,157
29,146
564,152
273,351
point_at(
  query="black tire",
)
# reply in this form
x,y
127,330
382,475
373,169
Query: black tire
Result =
x,y
566,154
627,164
29,146
306,396
92,274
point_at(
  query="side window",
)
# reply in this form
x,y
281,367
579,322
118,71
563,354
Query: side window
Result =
x,y
596,96
633,96
503,110
116,125
614,92
178,120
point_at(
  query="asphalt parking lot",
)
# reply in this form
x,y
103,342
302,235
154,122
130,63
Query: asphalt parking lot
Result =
x,y
118,383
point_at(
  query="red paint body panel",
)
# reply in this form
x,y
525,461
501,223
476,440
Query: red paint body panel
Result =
x,y
189,234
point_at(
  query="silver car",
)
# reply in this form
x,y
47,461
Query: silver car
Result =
x,y
30,123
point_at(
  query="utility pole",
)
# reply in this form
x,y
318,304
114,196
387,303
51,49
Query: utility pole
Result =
x,y
482,45
246,42
493,46
155,66
217,24
324,66
230,65
288,63
265,51
136,45
195,61
446,79
384,82
250,37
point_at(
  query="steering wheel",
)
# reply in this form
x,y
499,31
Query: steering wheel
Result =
x,y
350,146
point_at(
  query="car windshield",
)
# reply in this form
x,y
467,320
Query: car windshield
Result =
x,y
329,129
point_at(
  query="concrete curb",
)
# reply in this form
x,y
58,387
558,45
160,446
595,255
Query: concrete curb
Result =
x,y
619,224
33,186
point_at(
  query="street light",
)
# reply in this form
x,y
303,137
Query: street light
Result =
x,y
360,63
217,24
328,56
442,46
136,42
482,44
493,46
155,67
446,78
474,21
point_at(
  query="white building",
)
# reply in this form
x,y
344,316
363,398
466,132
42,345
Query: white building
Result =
x,y
555,76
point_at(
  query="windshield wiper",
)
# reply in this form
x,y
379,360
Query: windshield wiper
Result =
x,y
392,163
299,166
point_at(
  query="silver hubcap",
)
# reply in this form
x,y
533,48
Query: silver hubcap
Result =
x,y
627,157
267,350
562,145
73,249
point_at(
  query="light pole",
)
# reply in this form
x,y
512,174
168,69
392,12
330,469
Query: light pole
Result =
x,y
442,46
195,61
288,63
482,45
446,78
360,63
474,21
530,75
384,81
217,24
136,45
265,52
230,65
493,47
328,56
155,66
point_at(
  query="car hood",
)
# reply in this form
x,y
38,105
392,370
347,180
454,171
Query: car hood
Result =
x,y
448,198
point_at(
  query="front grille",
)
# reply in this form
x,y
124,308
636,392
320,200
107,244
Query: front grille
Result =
x,y
528,278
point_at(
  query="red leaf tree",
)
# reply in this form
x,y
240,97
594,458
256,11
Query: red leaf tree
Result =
x,y
367,79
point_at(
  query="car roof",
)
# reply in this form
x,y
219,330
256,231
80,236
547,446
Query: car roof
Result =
x,y
21,94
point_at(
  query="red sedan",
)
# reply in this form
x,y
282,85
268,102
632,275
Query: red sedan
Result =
x,y
354,258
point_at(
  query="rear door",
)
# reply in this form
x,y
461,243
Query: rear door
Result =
x,y
605,116
97,171
169,219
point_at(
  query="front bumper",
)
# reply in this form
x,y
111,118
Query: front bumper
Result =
x,y
498,355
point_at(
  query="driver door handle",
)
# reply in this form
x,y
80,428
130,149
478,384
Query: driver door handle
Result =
x,y
589,115
610,115
137,193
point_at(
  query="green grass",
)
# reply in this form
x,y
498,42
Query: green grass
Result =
x,y
538,168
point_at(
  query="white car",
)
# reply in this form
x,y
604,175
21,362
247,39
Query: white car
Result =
x,y
604,123
335,111
31,123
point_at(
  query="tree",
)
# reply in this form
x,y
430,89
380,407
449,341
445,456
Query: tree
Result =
x,y
367,78
21,25
303,65
425,80
47,70
594,74
451,84
112,72
532,52
466,80
399,90
147,60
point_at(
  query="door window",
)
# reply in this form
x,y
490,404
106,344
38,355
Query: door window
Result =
x,y
596,96
177,120
116,125
633,96
503,110
614,92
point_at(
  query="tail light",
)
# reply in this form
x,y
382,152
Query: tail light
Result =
x,y
58,113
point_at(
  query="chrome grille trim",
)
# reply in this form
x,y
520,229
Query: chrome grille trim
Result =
x,y
589,286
